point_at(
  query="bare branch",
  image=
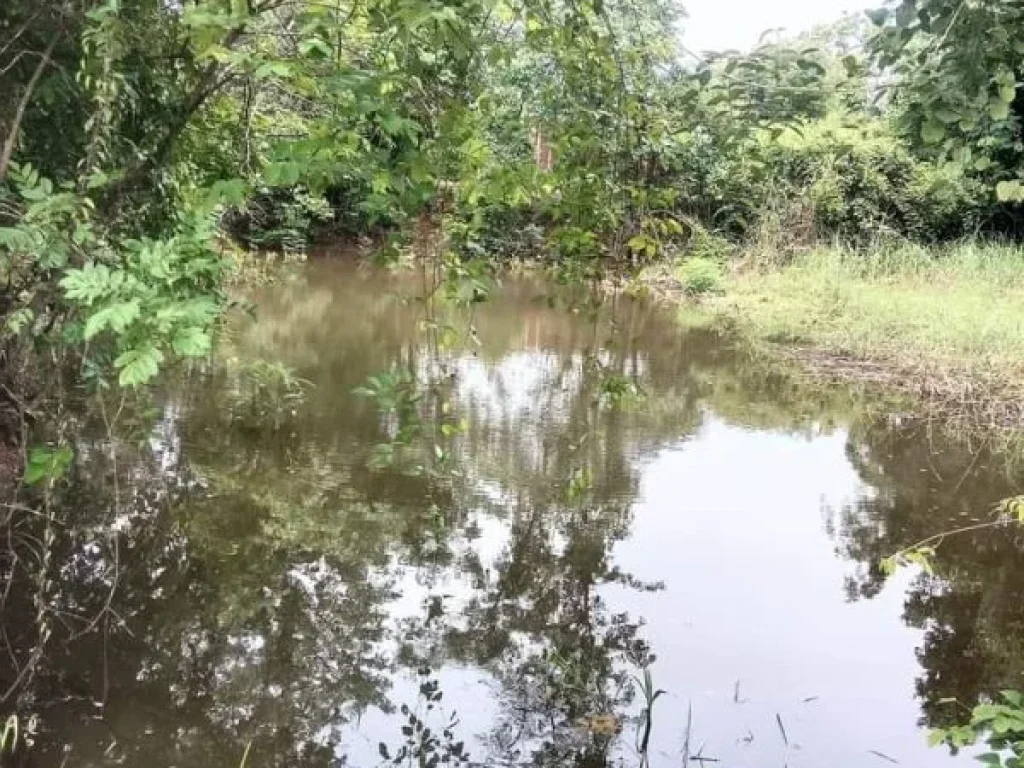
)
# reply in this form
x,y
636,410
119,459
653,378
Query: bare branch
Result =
x,y
12,136
20,31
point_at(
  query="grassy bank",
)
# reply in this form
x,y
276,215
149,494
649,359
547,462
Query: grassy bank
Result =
x,y
947,324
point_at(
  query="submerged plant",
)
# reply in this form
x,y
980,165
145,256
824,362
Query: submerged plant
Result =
x,y
1008,512
647,690
267,393
397,397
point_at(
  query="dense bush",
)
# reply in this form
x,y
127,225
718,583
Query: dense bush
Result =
x,y
861,181
279,219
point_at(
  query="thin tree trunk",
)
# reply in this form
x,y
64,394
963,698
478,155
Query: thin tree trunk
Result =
x,y
12,136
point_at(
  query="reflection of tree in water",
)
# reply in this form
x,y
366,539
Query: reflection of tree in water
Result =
x,y
257,562
539,621
261,561
221,632
927,482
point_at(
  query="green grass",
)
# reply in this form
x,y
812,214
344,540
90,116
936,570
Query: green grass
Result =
x,y
952,318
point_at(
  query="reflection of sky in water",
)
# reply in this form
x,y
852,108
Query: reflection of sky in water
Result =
x,y
732,521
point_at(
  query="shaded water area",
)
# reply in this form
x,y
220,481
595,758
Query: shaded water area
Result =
x,y
270,573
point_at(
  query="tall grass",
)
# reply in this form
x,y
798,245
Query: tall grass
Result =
x,y
956,309
944,323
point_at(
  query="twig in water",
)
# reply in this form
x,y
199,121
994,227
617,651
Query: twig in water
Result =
x,y
689,731
782,729
884,756
699,757
736,695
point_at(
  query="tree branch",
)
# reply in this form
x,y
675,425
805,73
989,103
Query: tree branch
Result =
x,y
20,31
12,136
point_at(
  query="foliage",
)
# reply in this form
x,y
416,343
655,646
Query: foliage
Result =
x,y
281,219
264,393
957,67
9,735
412,444
942,313
420,743
47,464
1000,724
160,298
859,182
130,303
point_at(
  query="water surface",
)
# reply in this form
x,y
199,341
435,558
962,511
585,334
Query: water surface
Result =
x,y
277,586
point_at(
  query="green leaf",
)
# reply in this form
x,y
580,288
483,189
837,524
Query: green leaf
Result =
x,y
1013,697
19,319
1004,724
47,464
33,194
272,69
936,737
998,110
1010,191
984,712
16,239
117,317
88,283
231,192
946,115
932,132
138,366
191,342
315,45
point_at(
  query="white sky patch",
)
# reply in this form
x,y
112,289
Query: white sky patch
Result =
x,y
714,25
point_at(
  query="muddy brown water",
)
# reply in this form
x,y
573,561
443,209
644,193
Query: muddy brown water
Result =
x,y
611,491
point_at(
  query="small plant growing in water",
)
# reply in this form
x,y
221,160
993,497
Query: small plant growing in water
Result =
x,y
397,397
268,392
647,690
618,390
422,745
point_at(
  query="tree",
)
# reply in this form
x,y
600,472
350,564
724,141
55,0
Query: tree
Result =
x,y
955,69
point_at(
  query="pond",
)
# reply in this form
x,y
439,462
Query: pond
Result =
x,y
270,565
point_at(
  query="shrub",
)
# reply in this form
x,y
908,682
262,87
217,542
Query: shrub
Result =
x,y
280,219
700,276
861,182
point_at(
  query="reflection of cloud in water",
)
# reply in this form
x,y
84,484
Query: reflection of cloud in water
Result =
x,y
529,385
518,387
